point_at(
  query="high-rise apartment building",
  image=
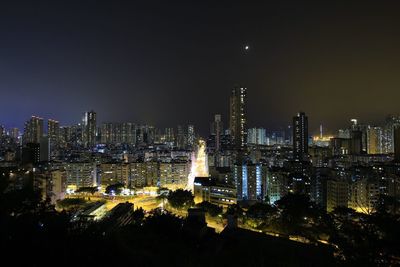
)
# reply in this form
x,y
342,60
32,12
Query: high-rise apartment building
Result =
x,y
238,120
118,133
250,181
14,133
181,140
190,136
374,140
33,131
89,128
337,194
300,136
257,136
53,131
217,130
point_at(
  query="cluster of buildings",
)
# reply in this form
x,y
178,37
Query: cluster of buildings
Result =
x,y
353,168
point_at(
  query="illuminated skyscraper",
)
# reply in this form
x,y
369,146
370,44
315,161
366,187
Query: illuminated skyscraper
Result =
x,y
53,131
190,136
128,133
33,131
181,138
374,140
169,135
388,132
237,123
89,128
300,136
217,131
14,133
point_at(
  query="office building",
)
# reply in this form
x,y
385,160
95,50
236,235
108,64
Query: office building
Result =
x,y
208,189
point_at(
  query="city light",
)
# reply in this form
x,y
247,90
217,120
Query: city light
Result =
x,y
199,167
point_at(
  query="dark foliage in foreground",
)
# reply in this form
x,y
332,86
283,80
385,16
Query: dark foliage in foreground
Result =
x,y
33,233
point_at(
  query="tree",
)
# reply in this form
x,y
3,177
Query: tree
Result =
x,y
387,204
235,210
260,211
164,222
211,209
299,216
138,216
114,189
71,203
180,199
88,189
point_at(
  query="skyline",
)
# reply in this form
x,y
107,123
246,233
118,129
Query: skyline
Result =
x,y
321,128
200,133
173,64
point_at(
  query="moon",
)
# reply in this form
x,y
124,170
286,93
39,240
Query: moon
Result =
x,y
246,47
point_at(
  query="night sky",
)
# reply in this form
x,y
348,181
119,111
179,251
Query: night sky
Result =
x,y
166,63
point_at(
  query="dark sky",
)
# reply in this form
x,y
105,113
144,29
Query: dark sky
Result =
x,y
167,63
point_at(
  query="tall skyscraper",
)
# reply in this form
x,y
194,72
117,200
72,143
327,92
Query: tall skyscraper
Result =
x,y
181,137
356,142
89,128
169,136
53,131
300,136
374,140
190,136
33,131
388,132
14,133
237,123
217,130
